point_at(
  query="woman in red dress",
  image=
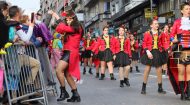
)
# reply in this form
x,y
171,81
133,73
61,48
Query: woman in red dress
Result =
x,y
179,70
68,66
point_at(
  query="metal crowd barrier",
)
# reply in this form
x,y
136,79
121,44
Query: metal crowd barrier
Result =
x,y
49,73
24,79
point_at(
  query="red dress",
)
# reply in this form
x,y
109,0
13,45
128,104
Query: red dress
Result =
x,y
72,44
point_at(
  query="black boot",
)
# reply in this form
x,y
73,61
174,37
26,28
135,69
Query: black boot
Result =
x,y
112,77
126,81
81,63
64,94
97,75
131,69
121,83
137,69
143,91
75,97
84,70
102,77
163,72
160,89
187,95
182,86
188,90
90,71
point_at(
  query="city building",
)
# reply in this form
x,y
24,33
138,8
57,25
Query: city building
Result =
x,y
97,14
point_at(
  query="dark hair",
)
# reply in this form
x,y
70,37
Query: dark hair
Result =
x,y
76,26
183,5
13,11
122,27
151,21
105,27
3,6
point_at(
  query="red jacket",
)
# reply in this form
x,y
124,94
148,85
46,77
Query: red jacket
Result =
x,y
147,42
127,46
101,44
136,45
165,40
85,44
175,29
72,44
93,45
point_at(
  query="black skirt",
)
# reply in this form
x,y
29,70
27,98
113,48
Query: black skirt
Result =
x,y
135,56
87,54
156,61
106,55
65,56
165,57
122,59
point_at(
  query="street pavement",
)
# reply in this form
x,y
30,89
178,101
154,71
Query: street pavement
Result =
x,y
107,92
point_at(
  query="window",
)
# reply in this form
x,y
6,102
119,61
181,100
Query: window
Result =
x,y
106,6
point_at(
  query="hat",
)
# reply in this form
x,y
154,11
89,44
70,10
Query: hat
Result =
x,y
68,12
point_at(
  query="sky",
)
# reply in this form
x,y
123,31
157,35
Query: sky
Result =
x,y
27,5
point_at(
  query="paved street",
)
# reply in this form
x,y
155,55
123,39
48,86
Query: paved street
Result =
x,y
107,92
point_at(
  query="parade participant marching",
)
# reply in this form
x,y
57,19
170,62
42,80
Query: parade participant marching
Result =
x,y
87,54
68,65
179,69
123,54
95,58
106,46
165,43
152,56
135,54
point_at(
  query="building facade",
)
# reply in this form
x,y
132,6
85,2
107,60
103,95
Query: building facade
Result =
x,y
97,14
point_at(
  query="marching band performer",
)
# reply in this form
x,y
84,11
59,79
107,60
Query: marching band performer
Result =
x,y
135,54
106,46
152,56
123,54
179,70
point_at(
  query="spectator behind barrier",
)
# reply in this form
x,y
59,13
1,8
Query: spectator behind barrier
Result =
x,y
37,41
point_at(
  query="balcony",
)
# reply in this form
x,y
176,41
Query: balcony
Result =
x,y
88,3
92,20
128,8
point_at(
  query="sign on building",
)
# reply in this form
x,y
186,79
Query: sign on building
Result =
x,y
149,14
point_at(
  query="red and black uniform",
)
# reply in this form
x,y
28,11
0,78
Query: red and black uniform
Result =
x,y
183,35
106,46
123,52
87,52
134,50
71,48
165,43
95,59
152,43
